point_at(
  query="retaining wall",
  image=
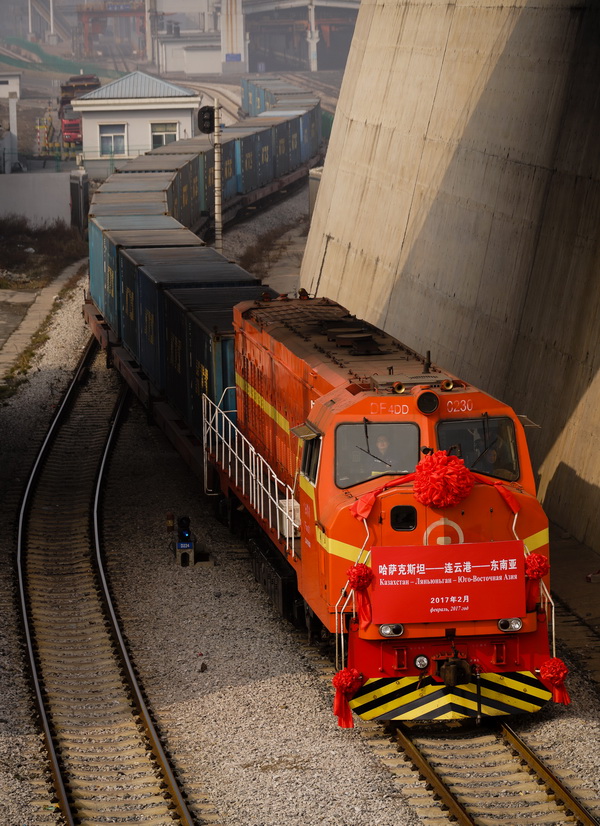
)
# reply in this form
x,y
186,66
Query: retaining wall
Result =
x,y
459,209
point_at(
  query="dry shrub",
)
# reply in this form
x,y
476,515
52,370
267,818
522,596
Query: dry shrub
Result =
x,y
32,255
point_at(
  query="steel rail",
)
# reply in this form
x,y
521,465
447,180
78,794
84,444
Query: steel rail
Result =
x,y
227,100
328,93
430,775
561,792
55,767
157,749
175,797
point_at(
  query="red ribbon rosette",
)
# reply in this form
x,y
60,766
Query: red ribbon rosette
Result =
x,y
360,576
346,683
441,480
536,567
552,674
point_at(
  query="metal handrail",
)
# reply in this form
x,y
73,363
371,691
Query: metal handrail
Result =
x,y
270,497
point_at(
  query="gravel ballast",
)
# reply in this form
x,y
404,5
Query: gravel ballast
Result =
x,y
245,711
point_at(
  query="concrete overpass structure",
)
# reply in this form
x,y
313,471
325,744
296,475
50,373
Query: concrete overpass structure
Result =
x,y
55,25
315,20
459,209
300,34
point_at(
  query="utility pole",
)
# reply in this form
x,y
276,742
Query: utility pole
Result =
x,y
218,181
312,36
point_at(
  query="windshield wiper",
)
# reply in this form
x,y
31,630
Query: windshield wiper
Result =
x,y
373,456
366,423
481,455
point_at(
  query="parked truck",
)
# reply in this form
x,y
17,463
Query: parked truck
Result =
x,y
70,121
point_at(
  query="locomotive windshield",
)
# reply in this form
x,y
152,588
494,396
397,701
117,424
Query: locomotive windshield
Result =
x,y
487,445
371,449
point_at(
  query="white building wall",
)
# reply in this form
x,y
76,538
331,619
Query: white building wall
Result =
x,y
193,54
42,196
173,56
202,61
138,136
9,84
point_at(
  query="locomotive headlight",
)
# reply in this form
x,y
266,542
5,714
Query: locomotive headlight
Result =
x,y
395,630
428,402
512,624
422,662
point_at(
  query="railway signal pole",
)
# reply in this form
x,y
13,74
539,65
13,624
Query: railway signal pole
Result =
x,y
218,181
209,123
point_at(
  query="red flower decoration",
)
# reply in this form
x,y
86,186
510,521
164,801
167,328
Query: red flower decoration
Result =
x,y
441,480
536,566
552,674
360,576
346,683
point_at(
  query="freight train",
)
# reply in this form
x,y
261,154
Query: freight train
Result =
x,y
389,505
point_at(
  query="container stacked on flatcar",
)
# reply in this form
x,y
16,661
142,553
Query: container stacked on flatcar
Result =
x,y
152,199
143,252
200,348
274,98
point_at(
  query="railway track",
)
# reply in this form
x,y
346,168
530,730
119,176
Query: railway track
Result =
x,y
474,776
118,59
483,776
328,92
107,762
229,100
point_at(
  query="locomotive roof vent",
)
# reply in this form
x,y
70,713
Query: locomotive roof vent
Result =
x,y
341,330
363,345
349,338
424,379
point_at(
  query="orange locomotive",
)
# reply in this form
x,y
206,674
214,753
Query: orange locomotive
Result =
x,y
401,502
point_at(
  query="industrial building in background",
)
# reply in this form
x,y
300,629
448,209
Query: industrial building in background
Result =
x,y
194,36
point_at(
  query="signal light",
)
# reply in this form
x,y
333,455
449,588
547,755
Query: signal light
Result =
x,y
184,533
206,119
428,403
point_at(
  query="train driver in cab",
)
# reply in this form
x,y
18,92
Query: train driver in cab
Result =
x,y
381,455
366,450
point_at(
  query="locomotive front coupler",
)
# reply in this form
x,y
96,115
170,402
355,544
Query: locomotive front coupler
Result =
x,y
454,670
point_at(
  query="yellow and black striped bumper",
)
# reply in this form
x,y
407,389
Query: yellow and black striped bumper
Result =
x,y
414,698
